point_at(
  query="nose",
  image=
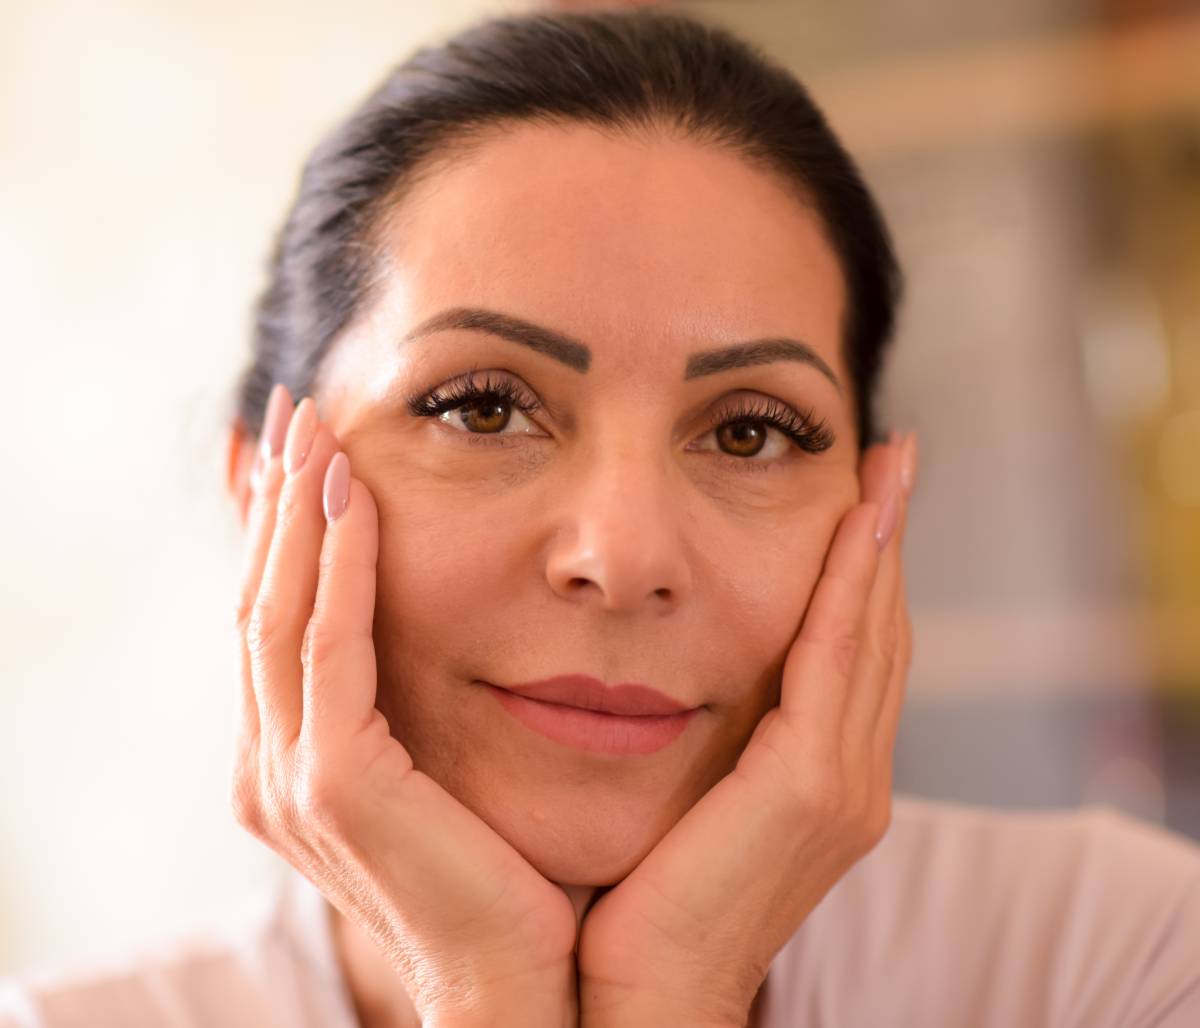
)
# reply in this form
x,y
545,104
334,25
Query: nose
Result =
x,y
618,540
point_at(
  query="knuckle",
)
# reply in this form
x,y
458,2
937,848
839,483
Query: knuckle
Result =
x,y
243,798
286,504
306,650
891,636
279,808
317,647
262,627
317,801
825,797
845,654
281,818
327,561
877,822
885,643
245,606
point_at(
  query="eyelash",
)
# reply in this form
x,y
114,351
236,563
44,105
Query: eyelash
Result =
x,y
805,430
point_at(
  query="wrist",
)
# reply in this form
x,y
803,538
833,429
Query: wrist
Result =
x,y
527,1005
600,1008
503,1014
648,1015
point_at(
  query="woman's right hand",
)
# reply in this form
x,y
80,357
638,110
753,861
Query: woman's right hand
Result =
x,y
475,932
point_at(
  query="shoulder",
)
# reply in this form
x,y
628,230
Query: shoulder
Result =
x,y
1082,872
1087,847
1010,916
261,969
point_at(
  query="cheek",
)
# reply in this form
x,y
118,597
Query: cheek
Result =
x,y
775,560
435,565
766,583
446,564
436,594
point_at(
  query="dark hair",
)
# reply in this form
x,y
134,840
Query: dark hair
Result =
x,y
628,70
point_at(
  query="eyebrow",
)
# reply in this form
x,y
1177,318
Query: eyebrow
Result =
x,y
578,357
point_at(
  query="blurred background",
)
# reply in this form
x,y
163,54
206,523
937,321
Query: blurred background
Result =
x,y
1039,164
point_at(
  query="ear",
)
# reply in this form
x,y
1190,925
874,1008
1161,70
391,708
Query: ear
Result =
x,y
240,451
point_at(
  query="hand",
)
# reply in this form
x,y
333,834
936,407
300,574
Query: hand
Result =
x,y
689,935
470,926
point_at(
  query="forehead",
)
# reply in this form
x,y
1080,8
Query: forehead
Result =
x,y
634,245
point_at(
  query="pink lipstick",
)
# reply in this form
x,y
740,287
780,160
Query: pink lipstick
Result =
x,y
581,711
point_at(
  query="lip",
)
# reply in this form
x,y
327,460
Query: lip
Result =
x,y
581,711
590,693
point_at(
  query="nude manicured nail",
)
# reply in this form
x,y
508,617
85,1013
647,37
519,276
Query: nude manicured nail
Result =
x,y
337,486
275,422
300,435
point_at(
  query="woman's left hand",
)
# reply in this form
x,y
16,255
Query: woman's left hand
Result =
x,y
689,935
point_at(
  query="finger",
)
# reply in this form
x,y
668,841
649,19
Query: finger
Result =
x,y
260,528
818,670
893,700
880,628
340,669
285,598
888,722
265,479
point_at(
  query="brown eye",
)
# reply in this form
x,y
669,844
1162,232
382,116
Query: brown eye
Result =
x,y
742,438
485,417
762,432
480,408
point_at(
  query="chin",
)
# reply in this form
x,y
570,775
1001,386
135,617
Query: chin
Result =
x,y
580,840
577,818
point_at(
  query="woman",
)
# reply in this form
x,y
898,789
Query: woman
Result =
x,y
572,635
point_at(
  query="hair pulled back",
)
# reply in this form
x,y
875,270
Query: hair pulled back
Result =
x,y
633,70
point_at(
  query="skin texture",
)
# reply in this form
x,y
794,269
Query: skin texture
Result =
x,y
613,537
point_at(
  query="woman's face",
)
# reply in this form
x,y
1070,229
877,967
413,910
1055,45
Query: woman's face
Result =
x,y
617,531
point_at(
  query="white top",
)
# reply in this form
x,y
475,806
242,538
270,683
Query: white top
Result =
x,y
961,916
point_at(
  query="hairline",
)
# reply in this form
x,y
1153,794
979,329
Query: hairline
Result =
x,y
458,144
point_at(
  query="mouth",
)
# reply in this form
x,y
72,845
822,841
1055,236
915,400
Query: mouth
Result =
x,y
584,713
587,693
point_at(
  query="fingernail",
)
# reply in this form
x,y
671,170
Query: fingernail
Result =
x,y
887,521
336,493
300,435
908,463
275,423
